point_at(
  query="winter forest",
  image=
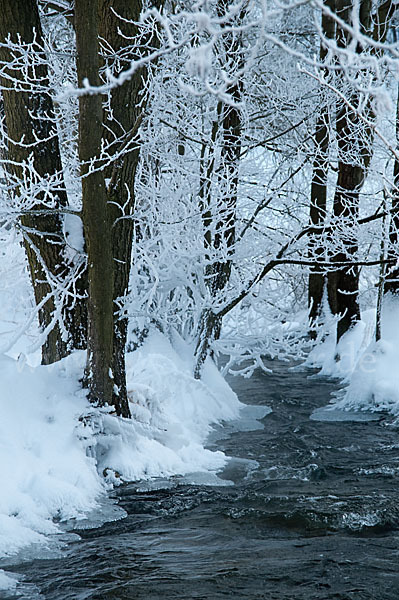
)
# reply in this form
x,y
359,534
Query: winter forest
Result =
x,y
191,193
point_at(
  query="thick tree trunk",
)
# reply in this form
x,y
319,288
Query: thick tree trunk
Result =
x,y
121,130
343,283
33,152
95,211
354,141
355,151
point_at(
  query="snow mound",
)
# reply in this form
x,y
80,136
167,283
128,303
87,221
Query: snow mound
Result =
x,y
7,582
340,360
369,368
59,455
172,415
45,473
374,384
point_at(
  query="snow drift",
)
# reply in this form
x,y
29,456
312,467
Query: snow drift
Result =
x,y
59,455
369,368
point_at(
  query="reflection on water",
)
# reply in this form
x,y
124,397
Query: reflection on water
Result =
x,y
307,510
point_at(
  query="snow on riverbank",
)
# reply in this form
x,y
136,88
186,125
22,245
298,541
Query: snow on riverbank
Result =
x,y
58,454
369,368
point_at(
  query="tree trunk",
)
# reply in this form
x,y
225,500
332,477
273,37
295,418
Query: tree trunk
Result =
x,y
96,221
218,273
354,141
355,151
29,116
344,282
220,236
318,194
391,283
121,129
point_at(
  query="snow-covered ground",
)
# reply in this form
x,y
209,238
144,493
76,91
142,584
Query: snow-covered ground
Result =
x,y
369,369
59,455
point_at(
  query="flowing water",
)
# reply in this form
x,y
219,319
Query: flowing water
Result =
x,y
308,509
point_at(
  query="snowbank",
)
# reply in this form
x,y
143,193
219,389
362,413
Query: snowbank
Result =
x,y
172,416
6,582
58,454
370,368
45,473
340,361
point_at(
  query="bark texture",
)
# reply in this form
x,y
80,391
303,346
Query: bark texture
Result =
x,y
95,211
344,282
33,153
391,283
354,141
118,29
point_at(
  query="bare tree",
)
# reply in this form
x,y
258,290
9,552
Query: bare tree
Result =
x,y
318,193
220,229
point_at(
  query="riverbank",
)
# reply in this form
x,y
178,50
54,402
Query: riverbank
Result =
x,y
306,509
59,455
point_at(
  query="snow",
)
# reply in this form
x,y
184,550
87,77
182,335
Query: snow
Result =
x,y
59,455
18,324
369,369
73,229
340,360
7,582
374,383
45,471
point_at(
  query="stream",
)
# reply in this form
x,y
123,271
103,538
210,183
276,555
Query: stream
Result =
x,y
307,509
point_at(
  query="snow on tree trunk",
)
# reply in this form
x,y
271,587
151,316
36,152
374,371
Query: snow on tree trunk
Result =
x,y
118,28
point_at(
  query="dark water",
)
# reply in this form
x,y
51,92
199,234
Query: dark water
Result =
x,y
316,517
